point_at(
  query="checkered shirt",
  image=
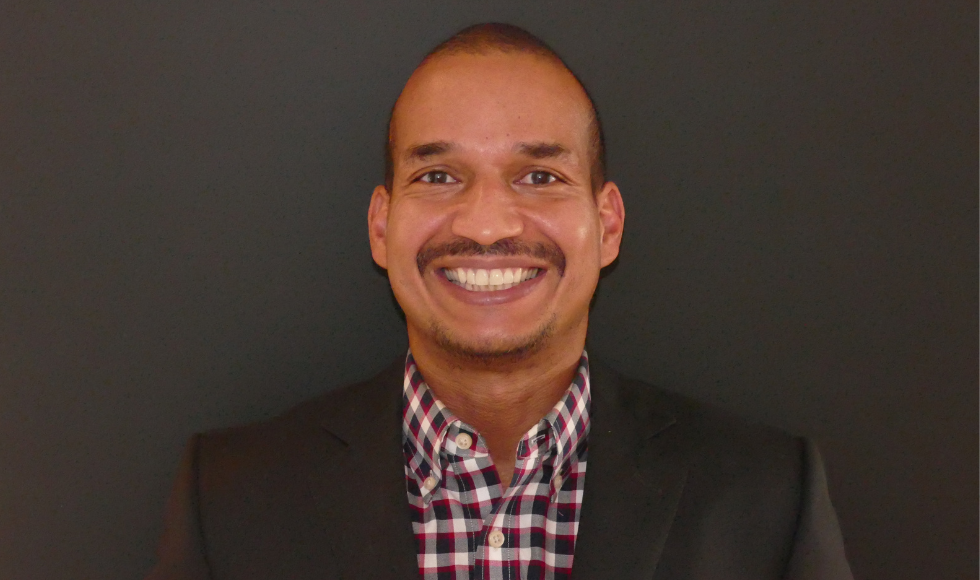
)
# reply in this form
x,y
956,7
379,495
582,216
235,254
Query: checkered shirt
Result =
x,y
459,514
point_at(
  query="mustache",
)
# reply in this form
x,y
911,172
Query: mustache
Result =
x,y
550,253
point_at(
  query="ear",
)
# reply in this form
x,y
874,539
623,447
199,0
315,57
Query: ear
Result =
x,y
378,225
612,216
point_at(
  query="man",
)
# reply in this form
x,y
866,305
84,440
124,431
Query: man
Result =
x,y
497,449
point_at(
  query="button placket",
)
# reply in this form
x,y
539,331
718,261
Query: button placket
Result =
x,y
495,537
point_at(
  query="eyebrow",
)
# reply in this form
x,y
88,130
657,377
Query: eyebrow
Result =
x,y
543,150
427,150
537,150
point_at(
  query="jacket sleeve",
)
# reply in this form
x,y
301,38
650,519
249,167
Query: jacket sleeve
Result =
x,y
181,553
818,547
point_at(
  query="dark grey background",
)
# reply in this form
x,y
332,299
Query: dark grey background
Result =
x,y
183,189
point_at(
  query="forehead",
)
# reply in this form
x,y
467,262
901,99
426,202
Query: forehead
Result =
x,y
492,100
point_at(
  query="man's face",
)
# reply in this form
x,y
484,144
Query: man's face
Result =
x,y
491,234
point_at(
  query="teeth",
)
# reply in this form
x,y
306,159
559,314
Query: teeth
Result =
x,y
480,280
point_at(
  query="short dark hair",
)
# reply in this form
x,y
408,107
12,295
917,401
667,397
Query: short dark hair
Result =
x,y
500,37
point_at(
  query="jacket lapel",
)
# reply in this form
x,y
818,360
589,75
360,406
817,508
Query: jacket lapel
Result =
x,y
632,485
360,482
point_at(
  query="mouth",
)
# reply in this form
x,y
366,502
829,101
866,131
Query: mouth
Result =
x,y
482,280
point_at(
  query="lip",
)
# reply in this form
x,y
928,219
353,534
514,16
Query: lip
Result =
x,y
489,263
490,297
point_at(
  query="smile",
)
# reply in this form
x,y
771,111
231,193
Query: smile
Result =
x,y
480,280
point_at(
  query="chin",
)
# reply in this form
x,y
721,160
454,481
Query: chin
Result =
x,y
493,350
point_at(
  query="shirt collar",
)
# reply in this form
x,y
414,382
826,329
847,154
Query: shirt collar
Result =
x,y
426,420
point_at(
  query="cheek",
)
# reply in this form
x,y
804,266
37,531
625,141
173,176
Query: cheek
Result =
x,y
585,234
410,227
576,231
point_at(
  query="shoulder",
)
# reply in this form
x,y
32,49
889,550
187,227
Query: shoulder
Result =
x,y
752,493
706,438
650,403
287,440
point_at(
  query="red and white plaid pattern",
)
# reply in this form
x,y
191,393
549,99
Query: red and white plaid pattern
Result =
x,y
455,521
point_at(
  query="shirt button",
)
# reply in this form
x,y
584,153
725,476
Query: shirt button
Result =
x,y
496,539
558,482
464,441
429,483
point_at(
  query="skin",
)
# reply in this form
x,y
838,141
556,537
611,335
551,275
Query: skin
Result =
x,y
499,360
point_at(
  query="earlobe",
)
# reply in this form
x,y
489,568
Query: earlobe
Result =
x,y
378,225
612,217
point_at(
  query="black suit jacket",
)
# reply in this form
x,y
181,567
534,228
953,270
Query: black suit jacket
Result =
x,y
674,489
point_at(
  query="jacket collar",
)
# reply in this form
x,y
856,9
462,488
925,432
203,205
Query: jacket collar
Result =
x,y
633,484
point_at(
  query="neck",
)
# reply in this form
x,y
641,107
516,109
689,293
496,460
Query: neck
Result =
x,y
500,399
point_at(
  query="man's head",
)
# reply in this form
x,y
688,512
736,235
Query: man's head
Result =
x,y
495,171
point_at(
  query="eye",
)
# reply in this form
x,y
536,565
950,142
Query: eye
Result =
x,y
538,178
438,177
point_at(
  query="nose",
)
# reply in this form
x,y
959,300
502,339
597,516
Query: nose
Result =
x,y
488,212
